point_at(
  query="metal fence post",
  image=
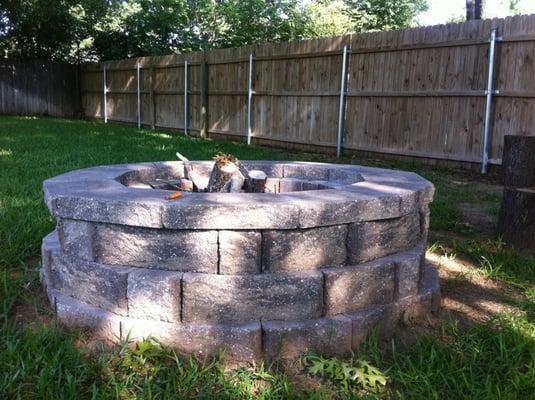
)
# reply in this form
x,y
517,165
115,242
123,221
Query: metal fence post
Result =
x,y
341,110
105,90
488,106
138,89
186,116
250,100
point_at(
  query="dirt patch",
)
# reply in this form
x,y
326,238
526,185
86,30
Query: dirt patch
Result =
x,y
467,295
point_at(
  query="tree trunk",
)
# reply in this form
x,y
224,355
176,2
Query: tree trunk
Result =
x,y
474,9
518,162
517,218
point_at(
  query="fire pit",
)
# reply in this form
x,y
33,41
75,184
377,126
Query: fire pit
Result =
x,y
311,264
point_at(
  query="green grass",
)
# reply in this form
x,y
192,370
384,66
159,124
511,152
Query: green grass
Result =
x,y
42,361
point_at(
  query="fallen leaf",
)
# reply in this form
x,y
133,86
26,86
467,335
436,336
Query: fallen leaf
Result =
x,y
174,196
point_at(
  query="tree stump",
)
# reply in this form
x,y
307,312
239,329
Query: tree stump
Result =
x,y
517,213
519,161
256,182
517,218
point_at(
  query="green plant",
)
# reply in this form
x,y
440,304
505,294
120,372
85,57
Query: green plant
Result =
x,y
353,375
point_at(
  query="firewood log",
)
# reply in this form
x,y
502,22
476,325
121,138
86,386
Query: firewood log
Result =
x,y
198,182
256,182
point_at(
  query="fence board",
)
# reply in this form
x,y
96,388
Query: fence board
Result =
x,y
39,88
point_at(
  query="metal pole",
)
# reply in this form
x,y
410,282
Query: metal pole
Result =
x,y
105,95
250,100
138,76
341,110
186,116
488,105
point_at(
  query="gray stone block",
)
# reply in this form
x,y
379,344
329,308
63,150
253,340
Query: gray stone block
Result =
x,y
76,314
305,170
345,174
342,206
408,271
104,202
239,252
154,294
159,249
359,287
239,343
98,285
245,298
232,211
272,185
375,239
430,286
76,238
49,246
288,340
299,250
290,185
362,323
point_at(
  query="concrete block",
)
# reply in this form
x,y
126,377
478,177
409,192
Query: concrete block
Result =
x,y
154,294
292,339
239,252
159,249
359,287
245,298
371,240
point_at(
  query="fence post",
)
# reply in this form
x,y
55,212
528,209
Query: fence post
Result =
x,y
250,100
342,108
105,90
138,90
186,114
488,104
204,112
152,100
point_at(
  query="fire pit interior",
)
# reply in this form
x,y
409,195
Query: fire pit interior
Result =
x,y
304,257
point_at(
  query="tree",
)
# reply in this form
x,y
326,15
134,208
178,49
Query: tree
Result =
x,y
474,9
376,15
76,30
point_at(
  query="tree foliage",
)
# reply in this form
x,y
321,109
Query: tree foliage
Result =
x,y
77,30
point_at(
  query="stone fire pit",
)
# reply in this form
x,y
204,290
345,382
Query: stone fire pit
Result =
x,y
330,251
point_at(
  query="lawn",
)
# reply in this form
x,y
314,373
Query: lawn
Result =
x,y
482,345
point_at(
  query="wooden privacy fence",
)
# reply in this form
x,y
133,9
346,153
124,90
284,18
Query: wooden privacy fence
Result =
x,y
39,87
422,92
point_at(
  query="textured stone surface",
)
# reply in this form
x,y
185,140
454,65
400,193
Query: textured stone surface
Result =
x,y
355,288
362,322
240,298
272,185
49,246
98,285
76,238
154,294
238,342
76,314
408,271
239,252
231,211
371,240
309,171
290,185
430,286
161,249
291,339
304,249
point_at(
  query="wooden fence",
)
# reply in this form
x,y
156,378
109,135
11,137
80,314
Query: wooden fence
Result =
x,y
417,92
39,88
